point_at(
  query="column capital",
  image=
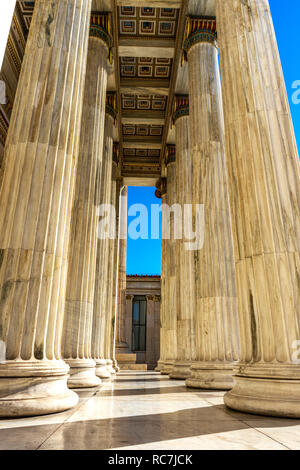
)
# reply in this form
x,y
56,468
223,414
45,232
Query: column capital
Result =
x,y
111,105
150,297
199,29
130,297
170,154
181,107
100,28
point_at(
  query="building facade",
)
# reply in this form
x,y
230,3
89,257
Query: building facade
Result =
x,y
142,322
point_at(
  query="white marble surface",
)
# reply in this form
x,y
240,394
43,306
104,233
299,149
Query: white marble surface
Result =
x,y
144,410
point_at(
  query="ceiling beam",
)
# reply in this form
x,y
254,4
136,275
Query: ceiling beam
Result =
x,y
143,113
144,90
145,82
174,74
145,145
140,47
154,3
140,181
143,120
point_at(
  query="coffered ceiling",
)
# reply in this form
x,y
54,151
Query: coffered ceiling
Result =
x,y
146,74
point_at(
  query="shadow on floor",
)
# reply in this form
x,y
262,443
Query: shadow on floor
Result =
x,y
137,430
146,391
146,379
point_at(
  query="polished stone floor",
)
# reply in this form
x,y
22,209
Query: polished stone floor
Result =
x,y
144,410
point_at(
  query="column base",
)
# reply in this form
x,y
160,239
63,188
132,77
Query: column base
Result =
x,y
265,396
181,370
160,365
167,368
122,348
34,388
101,369
210,376
82,373
109,367
115,366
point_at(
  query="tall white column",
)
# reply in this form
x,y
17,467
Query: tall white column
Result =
x,y
77,332
121,344
35,212
264,182
170,290
100,318
215,309
184,260
161,193
110,324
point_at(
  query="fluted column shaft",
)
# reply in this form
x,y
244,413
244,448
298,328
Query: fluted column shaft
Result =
x,y
169,291
216,322
35,212
163,325
264,181
83,243
121,344
184,261
109,335
115,279
100,317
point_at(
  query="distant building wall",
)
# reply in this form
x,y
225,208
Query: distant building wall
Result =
x,y
148,288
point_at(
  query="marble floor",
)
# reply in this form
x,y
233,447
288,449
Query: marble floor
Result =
x,y
144,410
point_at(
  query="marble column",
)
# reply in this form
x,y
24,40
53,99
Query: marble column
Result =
x,y
6,16
184,287
76,344
35,212
115,263
100,316
215,307
170,291
109,335
121,344
264,182
161,193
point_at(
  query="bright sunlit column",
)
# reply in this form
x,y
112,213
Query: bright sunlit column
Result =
x,y
77,332
6,13
170,290
41,153
183,264
215,309
121,344
162,194
101,313
264,182
112,263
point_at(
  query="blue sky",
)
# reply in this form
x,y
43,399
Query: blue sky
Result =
x,y
144,256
